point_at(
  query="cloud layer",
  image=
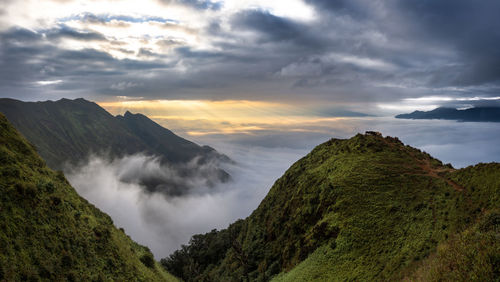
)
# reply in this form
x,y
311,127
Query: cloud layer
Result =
x,y
354,52
163,223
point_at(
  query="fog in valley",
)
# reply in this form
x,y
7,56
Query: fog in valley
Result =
x,y
164,221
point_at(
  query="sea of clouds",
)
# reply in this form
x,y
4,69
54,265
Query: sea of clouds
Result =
x,y
164,221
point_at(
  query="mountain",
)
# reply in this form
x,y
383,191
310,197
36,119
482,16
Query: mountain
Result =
x,y
367,208
478,114
164,142
49,233
66,132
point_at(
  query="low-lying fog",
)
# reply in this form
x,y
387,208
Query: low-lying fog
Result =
x,y
163,223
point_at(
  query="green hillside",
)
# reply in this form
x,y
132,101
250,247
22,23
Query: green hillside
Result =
x,y
364,209
164,142
69,130
49,233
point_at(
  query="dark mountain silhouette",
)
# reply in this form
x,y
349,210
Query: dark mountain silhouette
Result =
x,y
479,114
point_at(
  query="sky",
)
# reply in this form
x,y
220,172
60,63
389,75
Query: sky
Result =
x,y
374,57
261,81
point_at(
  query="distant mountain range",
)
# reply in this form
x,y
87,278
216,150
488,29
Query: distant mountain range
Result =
x,y
364,209
479,114
49,233
68,131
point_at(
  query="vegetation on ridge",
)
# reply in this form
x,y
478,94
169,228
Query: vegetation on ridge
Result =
x,y
66,132
69,130
49,233
366,208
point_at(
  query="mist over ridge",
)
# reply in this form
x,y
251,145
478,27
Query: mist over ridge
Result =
x,y
68,132
165,221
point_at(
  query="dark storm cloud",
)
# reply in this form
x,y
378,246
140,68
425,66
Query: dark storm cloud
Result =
x,y
341,7
470,27
355,52
144,52
16,47
274,28
67,32
27,57
466,29
187,52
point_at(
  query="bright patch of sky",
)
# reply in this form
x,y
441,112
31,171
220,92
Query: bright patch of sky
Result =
x,y
382,55
139,30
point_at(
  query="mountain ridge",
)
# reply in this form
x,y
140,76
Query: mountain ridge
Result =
x,y
365,208
70,121
48,232
476,114
66,132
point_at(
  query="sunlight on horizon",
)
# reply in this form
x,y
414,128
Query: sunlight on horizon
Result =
x,y
205,117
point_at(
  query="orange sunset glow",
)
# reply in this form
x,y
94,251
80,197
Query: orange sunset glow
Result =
x,y
201,117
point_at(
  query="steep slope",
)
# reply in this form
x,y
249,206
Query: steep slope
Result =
x,y
478,114
366,208
48,232
68,130
473,254
165,142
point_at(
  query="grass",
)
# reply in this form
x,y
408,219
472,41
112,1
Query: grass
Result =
x,y
49,233
367,208
471,255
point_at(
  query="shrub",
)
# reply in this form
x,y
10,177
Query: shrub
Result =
x,y
148,260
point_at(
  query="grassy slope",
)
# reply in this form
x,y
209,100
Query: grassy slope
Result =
x,y
162,140
474,254
367,208
48,232
459,210
68,130
471,255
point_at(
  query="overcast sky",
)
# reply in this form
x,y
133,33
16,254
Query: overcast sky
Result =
x,y
359,55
